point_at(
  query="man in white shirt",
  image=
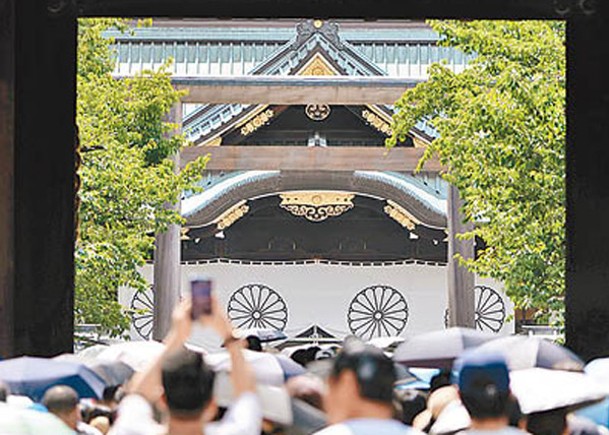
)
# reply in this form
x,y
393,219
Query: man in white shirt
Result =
x,y
360,393
180,379
484,389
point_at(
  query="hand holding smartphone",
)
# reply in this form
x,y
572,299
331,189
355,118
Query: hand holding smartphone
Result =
x,y
200,292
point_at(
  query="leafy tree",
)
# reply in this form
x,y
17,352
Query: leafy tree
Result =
x,y
501,125
127,175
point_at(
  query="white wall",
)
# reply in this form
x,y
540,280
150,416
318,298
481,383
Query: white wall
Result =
x,y
321,293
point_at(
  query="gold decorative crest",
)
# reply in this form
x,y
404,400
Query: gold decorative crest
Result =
x,y
377,122
400,215
257,122
317,206
232,215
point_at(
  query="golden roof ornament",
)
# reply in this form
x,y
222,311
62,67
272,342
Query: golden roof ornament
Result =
x,y
317,206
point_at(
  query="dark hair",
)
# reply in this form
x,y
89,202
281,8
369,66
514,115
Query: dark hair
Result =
x,y
60,399
374,371
411,403
253,343
4,391
485,401
551,422
109,393
439,380
90,413
188,383
514,411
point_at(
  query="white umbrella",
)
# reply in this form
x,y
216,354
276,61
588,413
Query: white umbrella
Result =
x,y
264,334
275,400
265,366
385,343
136,354
599,369
92,351
540,389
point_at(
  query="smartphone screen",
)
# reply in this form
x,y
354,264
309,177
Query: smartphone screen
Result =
x,y
201,297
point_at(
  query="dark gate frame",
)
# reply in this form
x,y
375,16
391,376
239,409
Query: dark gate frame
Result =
x,y
38,137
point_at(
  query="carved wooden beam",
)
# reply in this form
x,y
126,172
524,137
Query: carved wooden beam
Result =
x,y
293,89
302,158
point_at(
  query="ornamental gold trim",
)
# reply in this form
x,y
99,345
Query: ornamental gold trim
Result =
x,y
377,122
317,206
232,215
400,215
419,143
317,66
257,122
214,142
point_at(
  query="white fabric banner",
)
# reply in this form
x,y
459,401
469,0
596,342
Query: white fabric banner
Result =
x,y
401,299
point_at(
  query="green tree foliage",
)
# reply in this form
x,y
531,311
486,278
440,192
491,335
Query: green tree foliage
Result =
x,y
127,175
501,125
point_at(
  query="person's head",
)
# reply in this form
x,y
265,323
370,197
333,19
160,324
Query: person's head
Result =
x,y
109,395
360,383
515,415
484,386
410,403
553,422
101,423
442,379
188,384
4,391
253,343
62,401
307,388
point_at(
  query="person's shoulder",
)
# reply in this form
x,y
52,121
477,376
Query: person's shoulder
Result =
x,y
335,429
509,430
373,426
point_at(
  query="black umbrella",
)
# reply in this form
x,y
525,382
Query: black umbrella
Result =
x,y
438,349
523,352
113,373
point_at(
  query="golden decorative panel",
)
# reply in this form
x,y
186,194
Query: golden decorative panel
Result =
x,y
400,215
418,142
377,122
317,66
232,215
215,142
317,206
257,122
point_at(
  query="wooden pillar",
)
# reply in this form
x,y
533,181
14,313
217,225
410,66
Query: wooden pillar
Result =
x,y
7,161
44,180
460,281
587,232
167,256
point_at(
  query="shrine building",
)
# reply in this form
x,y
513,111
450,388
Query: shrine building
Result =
x,y
306,222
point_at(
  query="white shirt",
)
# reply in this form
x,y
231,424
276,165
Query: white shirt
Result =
x,y
369,426
135,417
508,430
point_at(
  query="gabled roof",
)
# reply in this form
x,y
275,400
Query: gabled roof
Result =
x,y
237,47
315,42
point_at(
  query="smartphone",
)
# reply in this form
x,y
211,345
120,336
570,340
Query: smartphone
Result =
x,y
200,289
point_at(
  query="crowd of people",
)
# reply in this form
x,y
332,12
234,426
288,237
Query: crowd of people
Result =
x,y
346,390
